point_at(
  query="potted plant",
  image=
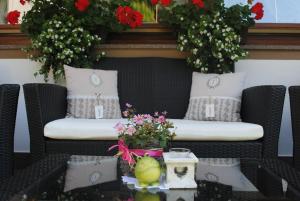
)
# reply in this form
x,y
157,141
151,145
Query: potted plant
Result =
x,y
211,32
142,135
50,25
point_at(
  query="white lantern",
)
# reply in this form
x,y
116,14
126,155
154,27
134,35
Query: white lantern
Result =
x,y
180,169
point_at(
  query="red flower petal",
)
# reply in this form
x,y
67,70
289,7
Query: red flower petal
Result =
x,y
165,2
198,3
82,5
127,16
258,10
154,2
13,17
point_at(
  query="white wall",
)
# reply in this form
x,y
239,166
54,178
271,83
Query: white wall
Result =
x,y
275,72
259,72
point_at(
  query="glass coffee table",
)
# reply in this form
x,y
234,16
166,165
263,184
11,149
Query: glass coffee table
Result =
x,y
89,178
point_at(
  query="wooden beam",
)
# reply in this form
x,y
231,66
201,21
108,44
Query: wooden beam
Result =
x,y
264,41
168,51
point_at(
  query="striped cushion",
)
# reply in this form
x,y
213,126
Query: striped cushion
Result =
x,y
225,109
216,97
84,107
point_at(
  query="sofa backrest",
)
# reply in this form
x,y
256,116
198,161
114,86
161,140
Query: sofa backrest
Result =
x,y
152,84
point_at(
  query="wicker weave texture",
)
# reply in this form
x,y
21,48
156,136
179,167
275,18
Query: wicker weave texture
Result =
x,y
155,84
263,105
35,174
44,103
9,95
284,171
294,92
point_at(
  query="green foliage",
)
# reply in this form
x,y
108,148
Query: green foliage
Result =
x,y
211,34
238,17
46,24
64,41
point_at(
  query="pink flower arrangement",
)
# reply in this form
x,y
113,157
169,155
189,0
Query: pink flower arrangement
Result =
x,y
138,119
143,134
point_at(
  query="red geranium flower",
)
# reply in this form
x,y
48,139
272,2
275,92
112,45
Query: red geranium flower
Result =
x,y
165,2
24,1
128,16
136,19
121,14
258,9
154,2
162,2
82,5
198,3
13,17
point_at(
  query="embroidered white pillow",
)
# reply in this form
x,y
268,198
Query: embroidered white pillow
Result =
x,y
89,89
216,97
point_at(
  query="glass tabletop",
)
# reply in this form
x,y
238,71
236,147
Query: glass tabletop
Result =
x,y
100,178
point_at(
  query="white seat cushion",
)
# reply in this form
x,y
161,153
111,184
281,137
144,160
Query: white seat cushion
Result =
x,y
189,130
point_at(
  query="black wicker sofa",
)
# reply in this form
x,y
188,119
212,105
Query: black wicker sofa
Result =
x,y
9,96
294,92
155,84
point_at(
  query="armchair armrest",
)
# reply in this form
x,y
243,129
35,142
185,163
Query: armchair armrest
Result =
x,y
44,103
263,105
9,95
294,92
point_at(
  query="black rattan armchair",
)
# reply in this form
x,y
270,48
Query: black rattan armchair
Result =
x,y
156,84
8,108
294,92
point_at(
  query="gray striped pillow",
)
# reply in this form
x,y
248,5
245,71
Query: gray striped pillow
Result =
x,y
216,97
88,88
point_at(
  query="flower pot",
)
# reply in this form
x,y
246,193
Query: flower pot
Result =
x,y
128,170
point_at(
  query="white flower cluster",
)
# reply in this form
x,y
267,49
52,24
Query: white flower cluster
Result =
x,y
210,40
64,42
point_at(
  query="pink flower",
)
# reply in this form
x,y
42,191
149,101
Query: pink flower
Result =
x,y
128,105
126,113
138,119
148,117
161,119
130,130
120,127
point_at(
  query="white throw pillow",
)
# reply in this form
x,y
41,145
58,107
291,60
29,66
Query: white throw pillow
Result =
x,y
84,171
216,97
92,91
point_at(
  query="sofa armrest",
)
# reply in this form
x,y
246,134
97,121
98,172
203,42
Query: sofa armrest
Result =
x,y
263,105
44,103
9,95
294,92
